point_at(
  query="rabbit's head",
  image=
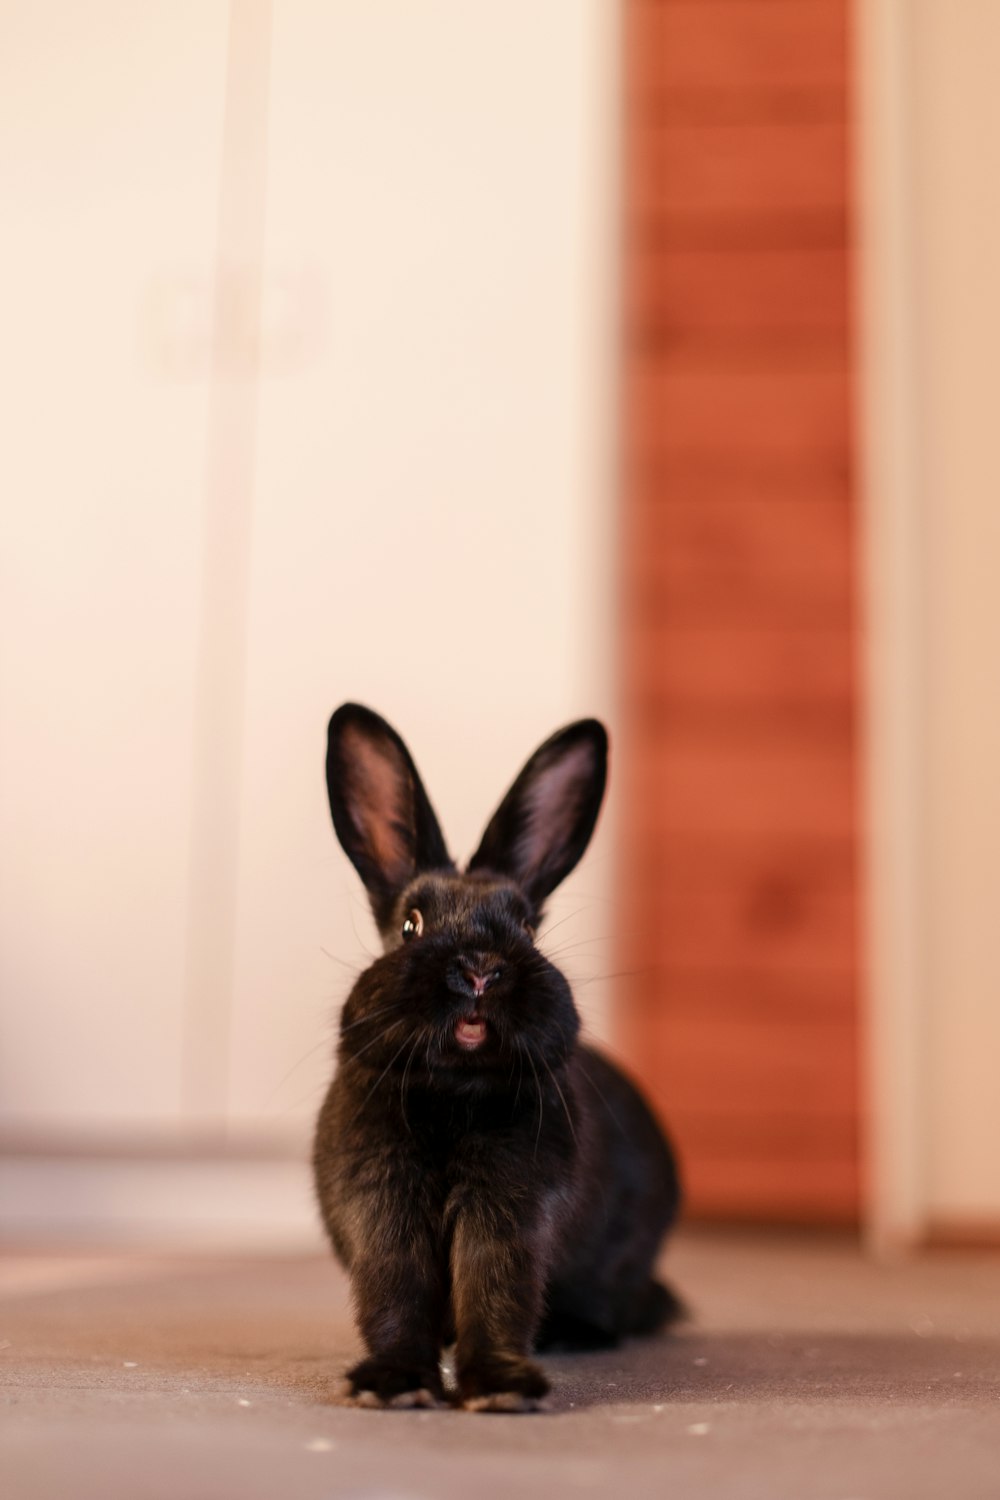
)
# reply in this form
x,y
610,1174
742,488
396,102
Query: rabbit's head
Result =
x,y
461,992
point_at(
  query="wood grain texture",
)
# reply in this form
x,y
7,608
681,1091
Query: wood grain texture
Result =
x,y
738,916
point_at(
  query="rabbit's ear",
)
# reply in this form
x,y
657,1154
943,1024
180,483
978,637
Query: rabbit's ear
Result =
x,y
380,810
544,823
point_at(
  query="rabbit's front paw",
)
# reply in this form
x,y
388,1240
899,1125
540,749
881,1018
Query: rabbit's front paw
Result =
x,y
381,1382
511,1385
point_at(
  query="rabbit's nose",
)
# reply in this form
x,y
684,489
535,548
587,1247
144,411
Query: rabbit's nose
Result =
x,y
480,978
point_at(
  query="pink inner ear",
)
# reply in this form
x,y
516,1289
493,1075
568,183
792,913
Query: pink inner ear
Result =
x,y
379,799
553,805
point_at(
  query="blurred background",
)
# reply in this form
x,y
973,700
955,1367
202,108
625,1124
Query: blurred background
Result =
x,y
496,363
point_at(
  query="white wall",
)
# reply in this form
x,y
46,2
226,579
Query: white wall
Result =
x,y
433,487
400,491
110,135
930,154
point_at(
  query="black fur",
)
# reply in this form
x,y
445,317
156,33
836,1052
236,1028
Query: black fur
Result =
x,y
507,1194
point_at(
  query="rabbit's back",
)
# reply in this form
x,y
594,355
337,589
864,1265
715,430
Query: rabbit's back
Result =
x,y
627,1196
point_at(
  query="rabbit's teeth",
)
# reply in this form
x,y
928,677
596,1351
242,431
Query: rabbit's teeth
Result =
x,y
470,1033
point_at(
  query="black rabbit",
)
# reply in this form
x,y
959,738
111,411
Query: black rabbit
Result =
x,y
484,1177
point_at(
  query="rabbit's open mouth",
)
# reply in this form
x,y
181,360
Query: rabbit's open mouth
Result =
x,y
470,1032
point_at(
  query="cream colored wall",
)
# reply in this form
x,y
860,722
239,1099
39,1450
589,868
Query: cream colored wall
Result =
x,y
930,154
110,135
400,493
941,306
433,482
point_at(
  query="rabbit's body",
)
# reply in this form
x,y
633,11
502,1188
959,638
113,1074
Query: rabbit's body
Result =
x,y
484,1177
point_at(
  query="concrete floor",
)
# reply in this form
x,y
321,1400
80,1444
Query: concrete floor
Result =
x,y
807,1375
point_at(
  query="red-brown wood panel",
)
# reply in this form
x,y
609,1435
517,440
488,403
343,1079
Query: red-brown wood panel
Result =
x,y
776,908
794,680
778,166
778,409
715,561
738,913
715,301
742,49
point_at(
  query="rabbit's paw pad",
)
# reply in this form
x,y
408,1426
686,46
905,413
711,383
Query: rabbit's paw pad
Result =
x,y
509,1401
421,1397
515,1386
377,1383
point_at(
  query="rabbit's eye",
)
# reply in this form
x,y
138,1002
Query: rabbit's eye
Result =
x,y
413,926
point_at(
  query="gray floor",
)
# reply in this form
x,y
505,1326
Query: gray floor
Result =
x,y
807,1373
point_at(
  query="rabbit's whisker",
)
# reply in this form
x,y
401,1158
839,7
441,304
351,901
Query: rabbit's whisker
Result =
x,y
538,1088
351,968
352,903
371,1018
601,1095
547,931
394,1058
296,1104
562,1098
520,1079
375,1039
324,1042
614,974
402,1083
573,945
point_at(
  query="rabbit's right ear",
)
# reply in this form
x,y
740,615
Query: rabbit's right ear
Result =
x,y
381,813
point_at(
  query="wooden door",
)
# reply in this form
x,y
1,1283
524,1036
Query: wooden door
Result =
x,y
739,832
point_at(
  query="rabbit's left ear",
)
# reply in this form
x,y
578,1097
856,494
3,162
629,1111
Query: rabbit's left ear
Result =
x,y
543,825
